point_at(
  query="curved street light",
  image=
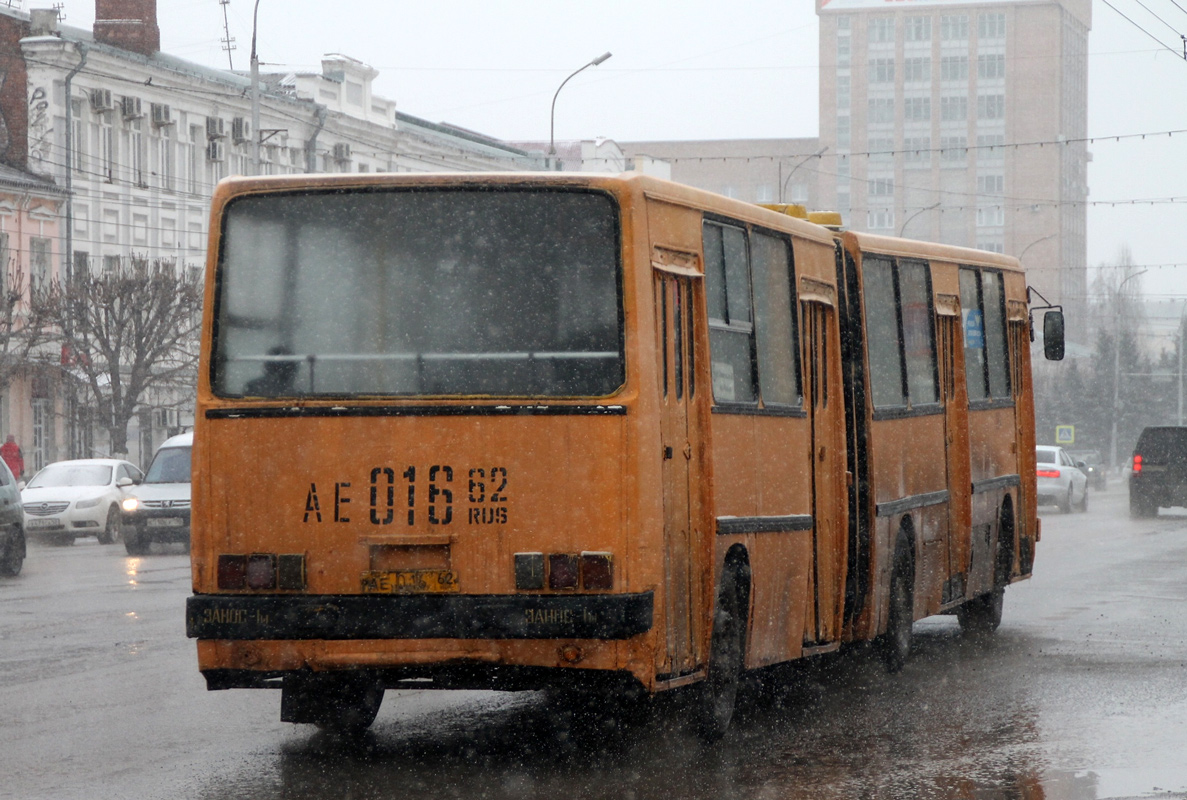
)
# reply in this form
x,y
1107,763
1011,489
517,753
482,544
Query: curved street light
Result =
x,y
802,161
907,221
552,113
1032,244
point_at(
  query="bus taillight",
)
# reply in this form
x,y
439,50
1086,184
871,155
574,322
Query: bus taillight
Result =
x,y
591,571
261,572
1137,463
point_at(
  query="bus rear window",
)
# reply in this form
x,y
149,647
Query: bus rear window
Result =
x,y
427,292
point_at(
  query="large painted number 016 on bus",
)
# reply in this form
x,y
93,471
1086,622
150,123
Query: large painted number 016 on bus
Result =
x,y
521,431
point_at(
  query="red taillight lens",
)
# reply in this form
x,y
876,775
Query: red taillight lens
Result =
x,y
261,571
1137,463
232,573
1047,473
597,571
562,571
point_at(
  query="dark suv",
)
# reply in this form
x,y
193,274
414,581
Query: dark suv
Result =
x,y
1159,471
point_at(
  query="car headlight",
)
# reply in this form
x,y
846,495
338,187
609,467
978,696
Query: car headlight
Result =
x,y
130,504
94,501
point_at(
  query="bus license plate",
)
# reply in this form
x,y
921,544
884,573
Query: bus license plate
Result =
x,y
410,581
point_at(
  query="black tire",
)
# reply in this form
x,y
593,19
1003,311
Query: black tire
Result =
x,y
1065,505
343,703
981,615
135,542
14,555
895,643
727,649
1083,505
111,530
1141,507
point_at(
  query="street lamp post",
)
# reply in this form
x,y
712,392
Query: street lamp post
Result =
x,y
784,181
552,113
1117,368
907,221
255,95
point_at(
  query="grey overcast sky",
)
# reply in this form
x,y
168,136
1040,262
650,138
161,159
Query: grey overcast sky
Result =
x,y
708,70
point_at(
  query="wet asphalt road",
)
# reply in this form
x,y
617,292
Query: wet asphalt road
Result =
x,y
1082,694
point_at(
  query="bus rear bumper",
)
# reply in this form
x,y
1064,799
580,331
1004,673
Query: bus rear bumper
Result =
x,y
418,616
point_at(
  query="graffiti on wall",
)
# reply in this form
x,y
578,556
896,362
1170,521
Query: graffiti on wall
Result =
x,y
39,127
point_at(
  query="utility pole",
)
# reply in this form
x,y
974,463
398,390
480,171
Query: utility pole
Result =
x,y
1117,369
255,95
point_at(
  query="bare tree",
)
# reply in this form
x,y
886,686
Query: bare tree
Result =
x,y
24,333
127,331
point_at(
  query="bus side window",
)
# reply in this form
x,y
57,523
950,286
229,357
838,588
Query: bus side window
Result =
x,y
731,326
882,336
774,321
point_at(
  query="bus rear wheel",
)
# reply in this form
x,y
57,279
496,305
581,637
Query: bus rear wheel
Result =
x,y
345,703
895,644
983,614
719,691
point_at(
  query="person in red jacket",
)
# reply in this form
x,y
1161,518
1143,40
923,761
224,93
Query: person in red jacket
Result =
x,y
10,451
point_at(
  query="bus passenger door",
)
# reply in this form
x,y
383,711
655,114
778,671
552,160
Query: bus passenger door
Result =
x,y
827,574
960,522
683,539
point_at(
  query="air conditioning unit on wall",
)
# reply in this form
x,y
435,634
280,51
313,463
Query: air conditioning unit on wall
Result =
x,y
241,129
342,151
131,108
162,115
101,99
216,127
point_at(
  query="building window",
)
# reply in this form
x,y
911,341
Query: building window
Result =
x,y
917,29
881,30
78,143
39,261
991,147
843,131
881,187
881,150
991,106
917,70
111,264
843,96
880,219
991,26
881,110
991,66
954,108
994,184
953,149
881,70
917,150
990,216
954,27
42,431
954,68
917,109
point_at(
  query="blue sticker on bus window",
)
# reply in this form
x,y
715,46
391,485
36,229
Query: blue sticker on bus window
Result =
x,y
974,329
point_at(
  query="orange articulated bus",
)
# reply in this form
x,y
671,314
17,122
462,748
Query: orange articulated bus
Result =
x,y
516,431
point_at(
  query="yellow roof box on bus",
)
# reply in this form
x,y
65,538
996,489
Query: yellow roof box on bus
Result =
x,y
790,209
829,219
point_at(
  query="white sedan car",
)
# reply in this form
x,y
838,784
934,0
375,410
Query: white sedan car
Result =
x,y
68,499
1061,482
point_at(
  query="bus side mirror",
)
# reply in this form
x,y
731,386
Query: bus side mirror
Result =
x,y
1053,335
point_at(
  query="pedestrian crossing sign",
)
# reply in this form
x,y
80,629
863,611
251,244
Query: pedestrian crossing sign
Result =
x,y
1065,434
